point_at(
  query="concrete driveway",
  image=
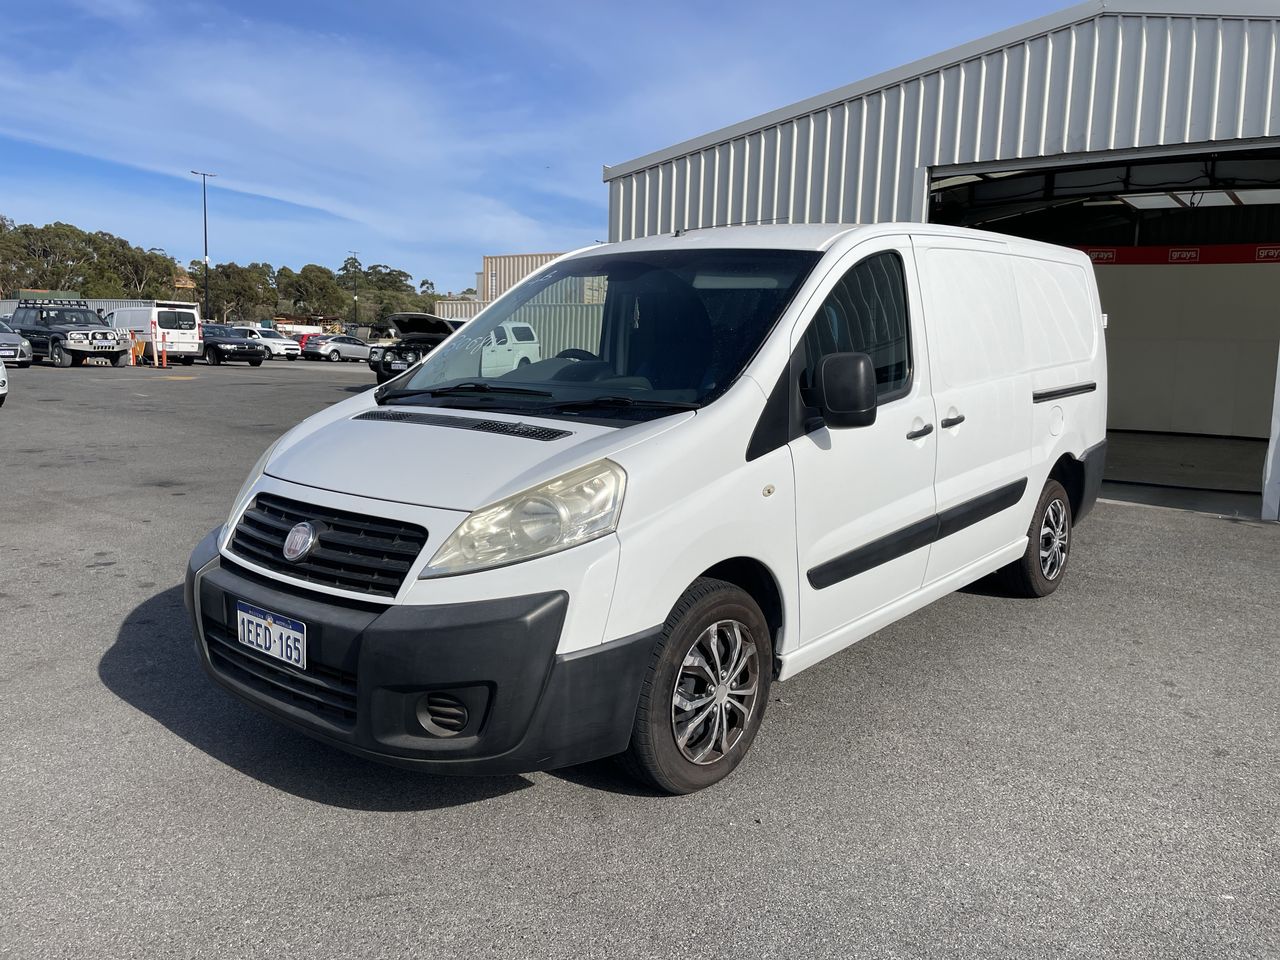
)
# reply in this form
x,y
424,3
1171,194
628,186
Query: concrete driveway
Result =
x,y
1096,774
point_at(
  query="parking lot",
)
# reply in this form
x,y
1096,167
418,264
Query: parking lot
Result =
x,y
1095,774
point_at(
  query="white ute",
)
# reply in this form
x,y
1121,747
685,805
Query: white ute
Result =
x,y
737,452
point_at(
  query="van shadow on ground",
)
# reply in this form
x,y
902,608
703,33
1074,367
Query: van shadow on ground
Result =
x,y
153,667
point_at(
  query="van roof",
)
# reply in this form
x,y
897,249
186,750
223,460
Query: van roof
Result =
x,y
790,236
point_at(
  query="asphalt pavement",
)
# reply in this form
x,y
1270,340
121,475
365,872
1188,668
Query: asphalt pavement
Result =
x,y
1092,775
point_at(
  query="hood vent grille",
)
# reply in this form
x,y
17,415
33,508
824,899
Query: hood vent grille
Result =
x,y
466,423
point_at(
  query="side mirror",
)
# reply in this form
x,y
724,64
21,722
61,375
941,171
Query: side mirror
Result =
x,y
846,387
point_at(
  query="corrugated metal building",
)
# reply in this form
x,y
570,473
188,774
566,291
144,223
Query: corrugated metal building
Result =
x,y
1147,131
500,274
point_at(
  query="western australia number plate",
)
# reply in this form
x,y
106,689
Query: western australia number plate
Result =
x,y
272,634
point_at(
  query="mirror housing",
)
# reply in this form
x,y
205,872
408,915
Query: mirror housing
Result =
x,y
846,391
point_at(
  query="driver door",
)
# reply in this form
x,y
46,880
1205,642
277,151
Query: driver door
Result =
x,y
864,495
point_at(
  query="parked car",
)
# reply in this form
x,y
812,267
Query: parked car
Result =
x,y
277,344
340,347
418,334
169,330
14,347
749,451
305,338
4,384
65,332
223,345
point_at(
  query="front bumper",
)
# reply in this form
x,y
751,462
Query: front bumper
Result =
x,y
15,356
470,688
94,347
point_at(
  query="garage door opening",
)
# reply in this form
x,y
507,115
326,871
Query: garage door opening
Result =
x,y
1187,255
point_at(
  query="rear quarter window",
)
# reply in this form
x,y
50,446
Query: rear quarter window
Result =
x,y
523,334
1057,312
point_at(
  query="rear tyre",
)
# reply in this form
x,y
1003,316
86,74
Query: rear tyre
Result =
x,y
335,356
3,399
255,363
59,357
291,356
188,361
1041,570
705,693
77,360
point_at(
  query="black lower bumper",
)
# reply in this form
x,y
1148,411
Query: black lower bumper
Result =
x,y
1094,461
469,688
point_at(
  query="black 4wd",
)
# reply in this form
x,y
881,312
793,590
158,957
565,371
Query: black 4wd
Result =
x,y
419,334
65,332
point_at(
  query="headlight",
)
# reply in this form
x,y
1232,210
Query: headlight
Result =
x,y
26,344
226,346
247,487
579,506
77,336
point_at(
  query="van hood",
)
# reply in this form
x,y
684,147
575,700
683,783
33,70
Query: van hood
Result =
x,y
435,457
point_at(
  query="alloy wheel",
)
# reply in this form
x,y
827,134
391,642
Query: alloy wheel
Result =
x,y
716,692
1055,533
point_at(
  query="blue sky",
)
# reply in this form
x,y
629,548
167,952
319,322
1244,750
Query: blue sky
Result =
x,y
421,134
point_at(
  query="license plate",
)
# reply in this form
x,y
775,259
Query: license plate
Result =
x,y
8,353
399,365
270,633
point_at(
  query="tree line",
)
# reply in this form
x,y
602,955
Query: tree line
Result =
x,y
60,256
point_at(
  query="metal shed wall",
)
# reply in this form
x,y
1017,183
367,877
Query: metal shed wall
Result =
x,y
1093,78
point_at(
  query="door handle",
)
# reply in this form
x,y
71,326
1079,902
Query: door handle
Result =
x,y
953,421
922,432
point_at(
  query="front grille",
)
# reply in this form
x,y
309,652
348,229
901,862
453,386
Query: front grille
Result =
x,y
467,423
353,552
321,690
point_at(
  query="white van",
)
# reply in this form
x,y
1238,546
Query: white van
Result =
x,y
165,327
753,447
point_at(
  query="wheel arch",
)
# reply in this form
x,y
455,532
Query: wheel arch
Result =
x,y
757,580
1068,470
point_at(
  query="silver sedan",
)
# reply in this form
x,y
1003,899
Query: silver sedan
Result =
x,y
336,348
15,349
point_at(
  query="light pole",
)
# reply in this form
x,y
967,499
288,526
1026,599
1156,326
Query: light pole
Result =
x,y
355,289
204,202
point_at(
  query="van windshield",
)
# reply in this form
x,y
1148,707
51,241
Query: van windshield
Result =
x,y
175,320
625,335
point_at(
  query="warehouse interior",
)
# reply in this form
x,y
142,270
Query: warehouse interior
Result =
x,y
1188,271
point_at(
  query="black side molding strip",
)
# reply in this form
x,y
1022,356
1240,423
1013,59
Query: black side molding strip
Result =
x,y
1044,396
917,535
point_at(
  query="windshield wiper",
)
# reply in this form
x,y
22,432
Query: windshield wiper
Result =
x,y
620,401
470,386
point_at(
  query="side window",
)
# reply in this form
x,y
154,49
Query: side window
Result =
x,y
866,313
499,335
523,334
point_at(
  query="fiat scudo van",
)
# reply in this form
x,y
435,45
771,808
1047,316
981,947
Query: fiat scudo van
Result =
x,y
738,452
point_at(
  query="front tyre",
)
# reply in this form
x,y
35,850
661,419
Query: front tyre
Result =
x,y
1043,566
120,359
57,356
705,693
